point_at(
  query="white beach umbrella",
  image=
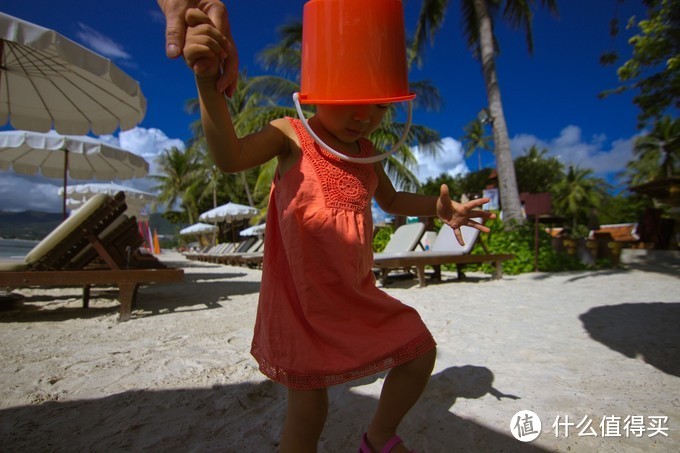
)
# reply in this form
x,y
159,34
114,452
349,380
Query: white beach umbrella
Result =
x,y
198,228
60,156
48,81
253,230
228,213
136,200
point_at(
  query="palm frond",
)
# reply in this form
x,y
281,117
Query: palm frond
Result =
x,y
273,89
430,20
284,57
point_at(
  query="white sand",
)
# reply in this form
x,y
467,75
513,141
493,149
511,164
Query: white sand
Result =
x,y
179,377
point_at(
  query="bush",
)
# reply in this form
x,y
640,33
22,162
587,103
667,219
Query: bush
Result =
x,y
381,238
519,241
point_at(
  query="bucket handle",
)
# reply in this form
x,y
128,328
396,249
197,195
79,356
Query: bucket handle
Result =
x,y
357,160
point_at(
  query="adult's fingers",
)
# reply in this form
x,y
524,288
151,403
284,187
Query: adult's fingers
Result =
x,y
175,26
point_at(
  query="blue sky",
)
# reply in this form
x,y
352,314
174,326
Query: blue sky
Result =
x,y
550,98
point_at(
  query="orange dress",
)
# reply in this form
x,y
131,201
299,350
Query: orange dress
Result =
x,y
321,320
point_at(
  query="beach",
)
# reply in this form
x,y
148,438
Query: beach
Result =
x,y
594,355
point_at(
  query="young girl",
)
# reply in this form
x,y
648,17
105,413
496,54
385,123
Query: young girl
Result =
x,y
321,319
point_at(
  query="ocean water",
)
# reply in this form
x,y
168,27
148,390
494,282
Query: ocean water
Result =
x,y
15,247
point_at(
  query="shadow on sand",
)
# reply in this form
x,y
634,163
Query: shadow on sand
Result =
x,y
198,291
247,417
648,331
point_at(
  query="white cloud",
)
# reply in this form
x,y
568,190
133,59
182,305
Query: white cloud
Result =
x,y
450,159
18,192
148,143
379,216
571,148
101,44
157,16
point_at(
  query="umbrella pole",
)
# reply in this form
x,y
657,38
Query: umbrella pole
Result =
x,y
63,207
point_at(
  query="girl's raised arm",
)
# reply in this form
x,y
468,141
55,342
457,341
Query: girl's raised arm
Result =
x,y
203,50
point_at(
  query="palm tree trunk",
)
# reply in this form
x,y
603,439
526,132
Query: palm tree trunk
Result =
x,y
251,203
506,169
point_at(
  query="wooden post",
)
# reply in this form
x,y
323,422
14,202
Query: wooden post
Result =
x,y
535,242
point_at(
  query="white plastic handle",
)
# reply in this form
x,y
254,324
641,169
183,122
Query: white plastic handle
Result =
x,y
358,160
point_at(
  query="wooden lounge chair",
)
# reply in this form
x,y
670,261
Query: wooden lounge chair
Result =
x,y
247,246
405,238
445,250
254,257
97,245
211,255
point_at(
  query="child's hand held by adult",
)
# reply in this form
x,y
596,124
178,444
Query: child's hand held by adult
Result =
x,y
176,29
205,46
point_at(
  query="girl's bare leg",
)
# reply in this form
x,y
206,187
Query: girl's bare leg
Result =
x,y
306,416
403,387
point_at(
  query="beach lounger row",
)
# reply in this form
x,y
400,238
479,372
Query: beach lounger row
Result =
x,y
96,246
248,252
445,249
409,247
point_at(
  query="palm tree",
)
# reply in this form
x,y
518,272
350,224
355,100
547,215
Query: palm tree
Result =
x,y
478,29
476,139
536,172
662,145
252,106
178,182
578,195
284,58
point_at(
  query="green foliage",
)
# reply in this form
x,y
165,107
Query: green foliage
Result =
x,y
537,173
381,238
654,68
662,147
476,139
431,186
623,208
578,196
472,184
519,241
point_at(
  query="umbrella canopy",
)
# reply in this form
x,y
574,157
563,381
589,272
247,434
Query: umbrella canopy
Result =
x,y
254,230
58,156
228,213
135,199
198,228
48,81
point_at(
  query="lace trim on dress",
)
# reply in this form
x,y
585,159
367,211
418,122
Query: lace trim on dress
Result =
x,y
309,381
344,184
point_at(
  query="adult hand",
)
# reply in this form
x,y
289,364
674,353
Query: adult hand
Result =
x,y
175,32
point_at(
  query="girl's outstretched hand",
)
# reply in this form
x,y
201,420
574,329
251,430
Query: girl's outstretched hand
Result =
x,y
205,46
456,215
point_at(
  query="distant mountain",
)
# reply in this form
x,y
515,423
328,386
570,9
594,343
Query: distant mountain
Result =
x,y
36,225
28,224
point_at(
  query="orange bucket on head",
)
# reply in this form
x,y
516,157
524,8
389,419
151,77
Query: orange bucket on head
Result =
x,y
353,52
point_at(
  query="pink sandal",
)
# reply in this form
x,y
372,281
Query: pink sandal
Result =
x,y
387,448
